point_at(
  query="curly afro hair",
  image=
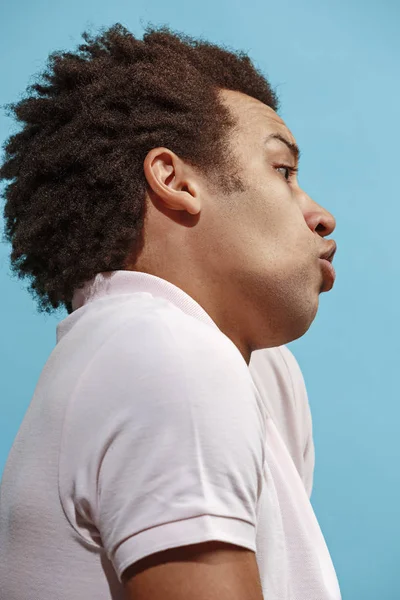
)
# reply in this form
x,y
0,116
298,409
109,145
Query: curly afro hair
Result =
x,y
75,191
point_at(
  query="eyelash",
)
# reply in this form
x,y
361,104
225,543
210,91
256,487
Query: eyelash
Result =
x,y
292,170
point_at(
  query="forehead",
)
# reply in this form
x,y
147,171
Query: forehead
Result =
x,y
254,117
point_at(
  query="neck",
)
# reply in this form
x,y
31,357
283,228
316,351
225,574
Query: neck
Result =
x,y
230,317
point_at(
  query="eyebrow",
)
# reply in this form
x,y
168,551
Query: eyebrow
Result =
x,y
294,149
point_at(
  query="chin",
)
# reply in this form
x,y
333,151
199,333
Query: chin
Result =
x,y
292,320
303,323
288,333
299,323
297,333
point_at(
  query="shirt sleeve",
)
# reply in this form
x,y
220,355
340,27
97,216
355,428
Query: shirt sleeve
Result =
x,y
174,455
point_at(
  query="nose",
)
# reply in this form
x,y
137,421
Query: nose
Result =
x,y
318,218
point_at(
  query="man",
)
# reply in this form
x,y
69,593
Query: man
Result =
x,y
154,194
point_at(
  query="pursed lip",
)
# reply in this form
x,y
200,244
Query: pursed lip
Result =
x,y
330,251
327,269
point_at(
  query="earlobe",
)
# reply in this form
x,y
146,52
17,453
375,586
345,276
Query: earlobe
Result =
x,y
193,205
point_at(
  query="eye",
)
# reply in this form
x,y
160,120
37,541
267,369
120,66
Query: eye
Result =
x,y
286,170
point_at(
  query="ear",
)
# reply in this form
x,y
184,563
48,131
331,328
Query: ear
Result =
x,y
172,180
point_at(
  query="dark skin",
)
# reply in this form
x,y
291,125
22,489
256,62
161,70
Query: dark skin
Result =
x,y
207,571
250,258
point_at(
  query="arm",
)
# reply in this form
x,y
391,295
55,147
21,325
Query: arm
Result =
x,y
197,572
170,453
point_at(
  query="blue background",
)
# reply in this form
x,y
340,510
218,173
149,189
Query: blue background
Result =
x,y
336,69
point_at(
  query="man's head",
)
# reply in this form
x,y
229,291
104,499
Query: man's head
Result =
x,y
165,155
251,256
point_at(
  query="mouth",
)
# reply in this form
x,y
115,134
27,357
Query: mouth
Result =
x,y
328,271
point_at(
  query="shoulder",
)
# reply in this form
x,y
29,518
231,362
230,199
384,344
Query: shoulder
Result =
x,y
279,380
280,364
292,366
150,349
280,357
155,333
167,403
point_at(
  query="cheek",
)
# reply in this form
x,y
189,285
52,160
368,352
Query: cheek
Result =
x,y
266,223
285,252
283,228
286,223
275,204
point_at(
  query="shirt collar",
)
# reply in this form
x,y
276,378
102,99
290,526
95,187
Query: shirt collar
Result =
x,y
114,283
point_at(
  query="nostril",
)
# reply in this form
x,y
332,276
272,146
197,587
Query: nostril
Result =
x,y
320,228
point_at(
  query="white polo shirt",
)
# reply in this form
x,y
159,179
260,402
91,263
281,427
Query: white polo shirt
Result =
x,y
147,430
